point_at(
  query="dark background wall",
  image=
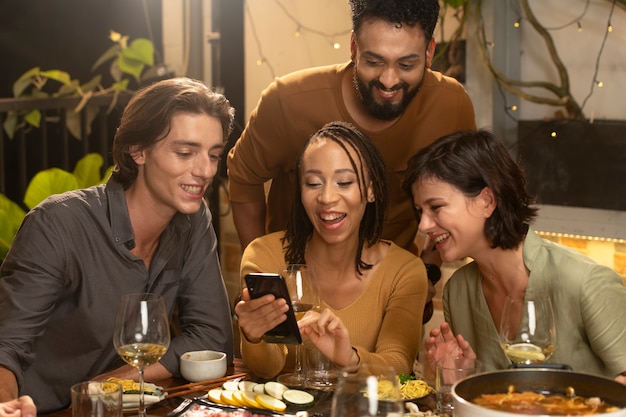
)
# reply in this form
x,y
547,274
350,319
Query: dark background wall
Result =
x,y
68,35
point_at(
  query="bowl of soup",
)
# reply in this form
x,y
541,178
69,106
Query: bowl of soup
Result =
x,y
538,391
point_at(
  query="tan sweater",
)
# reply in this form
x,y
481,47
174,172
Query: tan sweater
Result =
x,y
385,321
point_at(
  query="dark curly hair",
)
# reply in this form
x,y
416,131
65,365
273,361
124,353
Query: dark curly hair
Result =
x,y
148,115
471,161
409,12
300,228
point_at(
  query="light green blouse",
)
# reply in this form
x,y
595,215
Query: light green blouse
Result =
x,y
589,302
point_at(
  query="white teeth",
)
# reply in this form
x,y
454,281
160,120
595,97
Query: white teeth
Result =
x,y
192,189
330,217
441,237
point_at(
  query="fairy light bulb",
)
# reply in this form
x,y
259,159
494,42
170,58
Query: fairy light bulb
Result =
x,y
580,27
514,107
610,28
600,84
553,134
336,45
259,62
516,24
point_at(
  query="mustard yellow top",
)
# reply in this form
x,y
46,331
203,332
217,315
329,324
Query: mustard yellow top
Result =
x,y
385,321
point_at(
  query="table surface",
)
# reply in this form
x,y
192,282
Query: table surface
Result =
x,y
321,407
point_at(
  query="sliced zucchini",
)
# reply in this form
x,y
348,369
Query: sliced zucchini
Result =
x,y
249,399
228,397
231,385
215,395
271,403
246,385
298,398
275,389
259,388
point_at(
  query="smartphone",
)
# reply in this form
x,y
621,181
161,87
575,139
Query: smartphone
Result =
x,y
260,284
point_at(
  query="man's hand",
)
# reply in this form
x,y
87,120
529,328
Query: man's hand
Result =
x,y
19,407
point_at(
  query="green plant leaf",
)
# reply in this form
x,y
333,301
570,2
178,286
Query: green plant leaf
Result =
x,y
130,66
11,217
10,124
72,121
121,86
48,182
141,50
33,118
60,76
115,70
87,170
106,175
68,89
25,80
110,53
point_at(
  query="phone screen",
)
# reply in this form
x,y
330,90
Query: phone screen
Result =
x,y
260,284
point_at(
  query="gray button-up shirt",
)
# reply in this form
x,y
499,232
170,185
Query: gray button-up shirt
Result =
x,y
62,280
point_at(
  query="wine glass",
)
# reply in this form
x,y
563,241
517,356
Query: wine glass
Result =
x,y
367,390
142,334
304,293
528,330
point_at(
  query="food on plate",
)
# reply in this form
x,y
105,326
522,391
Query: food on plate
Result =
x,y
131,387
528,402
271,395
298,398
152,393
412,388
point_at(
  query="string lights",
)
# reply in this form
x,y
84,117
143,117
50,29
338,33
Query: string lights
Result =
x,y
300,29
576,21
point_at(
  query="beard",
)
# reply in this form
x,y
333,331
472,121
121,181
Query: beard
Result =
x,y
385,110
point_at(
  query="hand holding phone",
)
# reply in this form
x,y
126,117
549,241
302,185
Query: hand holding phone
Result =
x,y
260,284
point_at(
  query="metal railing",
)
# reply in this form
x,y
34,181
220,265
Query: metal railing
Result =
x,y
51,145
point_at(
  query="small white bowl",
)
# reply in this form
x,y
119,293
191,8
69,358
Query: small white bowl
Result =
x,y
201,365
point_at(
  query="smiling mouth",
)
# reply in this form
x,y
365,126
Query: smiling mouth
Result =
x,y
441,238
332,218
388,94
192,189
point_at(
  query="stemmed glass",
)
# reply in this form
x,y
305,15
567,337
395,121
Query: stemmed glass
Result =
x,y
528,330
304,292
142,334
368,390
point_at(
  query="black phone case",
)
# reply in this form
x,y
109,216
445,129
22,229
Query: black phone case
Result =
x,y
260,284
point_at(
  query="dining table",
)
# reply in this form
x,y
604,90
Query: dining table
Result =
x,y
238,369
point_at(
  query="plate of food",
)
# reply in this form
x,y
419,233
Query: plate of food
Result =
x,y
269,396
412,388
130,398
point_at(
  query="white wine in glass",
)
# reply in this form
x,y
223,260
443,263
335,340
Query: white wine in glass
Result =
x,y
528,330
304,294
142,334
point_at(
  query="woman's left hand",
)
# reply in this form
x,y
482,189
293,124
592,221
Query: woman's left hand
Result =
x,y
329,335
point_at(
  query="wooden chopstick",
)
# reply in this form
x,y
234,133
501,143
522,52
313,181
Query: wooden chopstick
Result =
x,y
202,385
